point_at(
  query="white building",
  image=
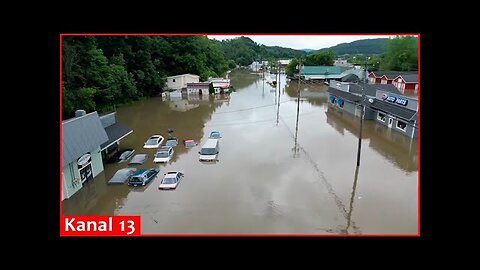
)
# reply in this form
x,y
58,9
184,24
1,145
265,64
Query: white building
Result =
x,y
178,82
199,88
220,85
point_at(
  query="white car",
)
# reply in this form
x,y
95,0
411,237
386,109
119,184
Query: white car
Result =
x,y
153,142
171,180
164,154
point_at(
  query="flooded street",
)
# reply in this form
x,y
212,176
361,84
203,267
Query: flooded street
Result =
x,y
274,175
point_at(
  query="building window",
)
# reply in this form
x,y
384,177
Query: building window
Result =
x,y
340,102
401,125
381,117
173,80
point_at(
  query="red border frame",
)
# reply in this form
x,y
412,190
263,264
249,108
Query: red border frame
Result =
x,y
257,34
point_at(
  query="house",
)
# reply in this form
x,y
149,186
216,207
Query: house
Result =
x,y
387,77
178,82
221,85
198,88
86,138
321,72
406,83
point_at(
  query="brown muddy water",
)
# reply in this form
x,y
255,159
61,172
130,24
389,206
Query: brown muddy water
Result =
x,y
267,180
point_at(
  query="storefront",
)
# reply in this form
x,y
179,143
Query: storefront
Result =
x,y
397,112
82,137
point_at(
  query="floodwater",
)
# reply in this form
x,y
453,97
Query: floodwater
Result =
x,y
274,174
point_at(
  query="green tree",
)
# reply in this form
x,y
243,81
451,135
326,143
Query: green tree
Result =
x,y
326,58
291,68
401,54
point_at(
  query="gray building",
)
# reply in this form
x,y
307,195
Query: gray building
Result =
x,y
383,103
397,112
87,138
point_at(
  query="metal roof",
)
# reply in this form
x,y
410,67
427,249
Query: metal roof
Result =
x,y
404,113
115,132
81,135
320,70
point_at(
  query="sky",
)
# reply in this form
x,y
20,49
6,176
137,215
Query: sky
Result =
x,y
303,42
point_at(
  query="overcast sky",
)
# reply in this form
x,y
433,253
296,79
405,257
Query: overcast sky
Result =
x,y
302,42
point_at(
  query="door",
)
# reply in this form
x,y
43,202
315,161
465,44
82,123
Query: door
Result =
x,y
86,173
390,122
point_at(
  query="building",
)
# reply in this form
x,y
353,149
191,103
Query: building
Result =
x,y
198,88
397,112
178,82
86,139
82,138
221,85
348,96
321,73
115,132
258,66
406,83
383,103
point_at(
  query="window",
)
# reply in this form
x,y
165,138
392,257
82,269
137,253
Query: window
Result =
x,y
401,125
173,80
381,117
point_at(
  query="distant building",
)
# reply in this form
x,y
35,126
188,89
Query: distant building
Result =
x,y
178,82
321,73
221,85
342,63
199,88
405,81
258,66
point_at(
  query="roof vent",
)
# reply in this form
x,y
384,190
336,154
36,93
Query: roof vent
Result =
x,y
79,113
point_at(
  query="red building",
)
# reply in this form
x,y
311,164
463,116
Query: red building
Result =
x,y
406,83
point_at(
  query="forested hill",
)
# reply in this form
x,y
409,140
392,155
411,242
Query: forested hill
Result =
x,y
244,51
364,46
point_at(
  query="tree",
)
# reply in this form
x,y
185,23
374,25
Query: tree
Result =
x,y
401,54
291,68
320,59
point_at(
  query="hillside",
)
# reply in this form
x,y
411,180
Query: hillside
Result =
x,y
364,46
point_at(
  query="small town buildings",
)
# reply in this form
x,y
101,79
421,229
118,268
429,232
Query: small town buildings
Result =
x,y
86,138
221,85
199,88
321,73
405,81
384,103
178,82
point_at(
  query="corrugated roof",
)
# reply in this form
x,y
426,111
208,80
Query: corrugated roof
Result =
x,y
115,132
410,78
392,74
320,70
81,135
404,113
345,95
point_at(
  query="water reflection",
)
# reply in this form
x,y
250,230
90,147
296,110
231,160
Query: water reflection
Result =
x,y
352,198
394,146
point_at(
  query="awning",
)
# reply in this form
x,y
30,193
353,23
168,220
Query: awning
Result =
x,y
115,133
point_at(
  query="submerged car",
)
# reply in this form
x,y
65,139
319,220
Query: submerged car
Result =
x,y
154,141
172,142
121,156
122,176
138,159
170,180
215,135
143,177
164,154
189,143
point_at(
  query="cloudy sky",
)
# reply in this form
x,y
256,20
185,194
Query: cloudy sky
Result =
x,y
302,42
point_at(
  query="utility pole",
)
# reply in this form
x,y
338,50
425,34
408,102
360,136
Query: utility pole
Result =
x,y
298,104
278,104
362,104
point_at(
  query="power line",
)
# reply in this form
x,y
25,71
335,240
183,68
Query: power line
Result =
x,y
251,108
